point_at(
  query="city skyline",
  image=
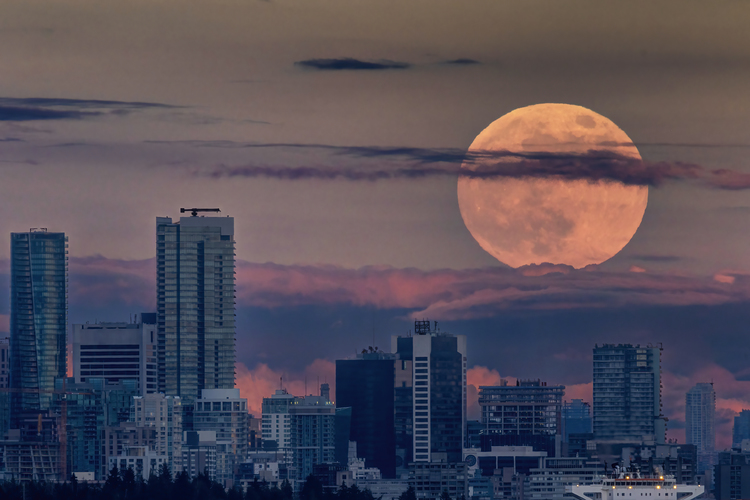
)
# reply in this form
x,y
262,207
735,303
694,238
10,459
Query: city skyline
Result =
x,y
269,109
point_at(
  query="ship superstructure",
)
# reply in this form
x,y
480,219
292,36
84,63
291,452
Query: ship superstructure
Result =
x,y
634,486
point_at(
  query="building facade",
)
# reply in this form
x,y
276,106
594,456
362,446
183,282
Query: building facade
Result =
x,y
224,412
4,384
366,385
116,351
627,394
38,317
312,436
528,407
741,428
195,305
700,430
164,414
439,392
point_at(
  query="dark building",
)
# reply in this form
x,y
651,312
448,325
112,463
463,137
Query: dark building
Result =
x,y
366,385
627,393
439,392
732,476
741,429
576,418
38,317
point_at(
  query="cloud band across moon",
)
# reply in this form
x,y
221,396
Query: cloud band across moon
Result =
x,y
594,166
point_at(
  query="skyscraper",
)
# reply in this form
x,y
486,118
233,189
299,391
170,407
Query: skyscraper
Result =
x,y
627,393
366,385
195,305
38,317
439,392
700,410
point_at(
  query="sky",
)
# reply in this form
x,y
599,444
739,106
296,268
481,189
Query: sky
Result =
x,y
112,114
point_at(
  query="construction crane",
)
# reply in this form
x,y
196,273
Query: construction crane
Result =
x,y
194,211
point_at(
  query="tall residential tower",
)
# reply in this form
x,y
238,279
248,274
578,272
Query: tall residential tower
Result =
x,y
627,394
195,305
700,410
38,317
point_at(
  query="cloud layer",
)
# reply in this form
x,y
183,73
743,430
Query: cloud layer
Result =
x,y
16,109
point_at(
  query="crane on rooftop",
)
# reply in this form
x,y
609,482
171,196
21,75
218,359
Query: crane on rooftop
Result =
x,y
194,211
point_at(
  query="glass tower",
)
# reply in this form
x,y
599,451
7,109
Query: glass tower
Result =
x,y
38,317
195,305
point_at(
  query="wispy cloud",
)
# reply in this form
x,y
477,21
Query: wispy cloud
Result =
x,y
349,63
420,163
462,61
19,109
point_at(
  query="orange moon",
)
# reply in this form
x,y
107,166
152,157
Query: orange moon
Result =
x,y
522,221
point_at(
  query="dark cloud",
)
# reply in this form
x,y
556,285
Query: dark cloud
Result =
x,y
656,258
462,62
15,109
348,63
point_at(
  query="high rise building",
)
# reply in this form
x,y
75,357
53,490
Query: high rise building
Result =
x,y
627,394
195,305
366,385
439,392
38,317
116,351
164,414
576,418
224,412
305,430
525,414
700,411
741,429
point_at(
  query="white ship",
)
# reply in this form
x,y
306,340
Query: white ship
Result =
x,y
634,486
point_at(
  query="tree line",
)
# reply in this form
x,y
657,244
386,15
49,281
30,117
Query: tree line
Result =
x,y
124,485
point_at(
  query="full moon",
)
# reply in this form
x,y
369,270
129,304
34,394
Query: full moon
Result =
x,y
530,220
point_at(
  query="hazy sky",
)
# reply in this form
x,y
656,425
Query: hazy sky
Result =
x,y
113,113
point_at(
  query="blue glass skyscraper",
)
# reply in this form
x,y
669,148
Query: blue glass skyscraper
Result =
x,y
38,317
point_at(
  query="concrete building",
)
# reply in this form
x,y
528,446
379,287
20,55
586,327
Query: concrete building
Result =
x,y
276,422
164,414
439,392
38,317
366,385
116,351
431,479
118,440
144,461
195,305
525,414
199,453
224,412
627,394
732,475
29,460
700,411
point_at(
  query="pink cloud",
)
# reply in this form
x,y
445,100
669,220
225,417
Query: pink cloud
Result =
x,y
4,323
262,381
474,293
